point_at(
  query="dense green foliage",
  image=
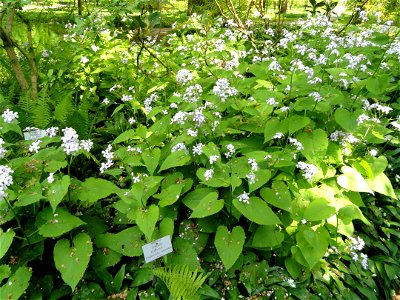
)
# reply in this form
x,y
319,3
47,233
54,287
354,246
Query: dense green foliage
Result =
x,y
268,155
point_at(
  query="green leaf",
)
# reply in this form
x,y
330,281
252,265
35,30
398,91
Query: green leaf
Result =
x,y
146,219
169,195
382,185
57,223
313,244
229,244
262,177
257,211
318,210
297,122
93,189
5,272
126,135
346,119
207,206
30,195
175,159
57,191
278,195
267,237
16,285
127,242
72,262
184,254
272,126
378,84
193,198
315,144
352,180
151,159
6,239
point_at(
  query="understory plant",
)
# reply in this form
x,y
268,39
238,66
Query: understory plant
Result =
x,y
269,161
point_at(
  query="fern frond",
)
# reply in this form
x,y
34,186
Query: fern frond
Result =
x,y
182,283
41,113
64,109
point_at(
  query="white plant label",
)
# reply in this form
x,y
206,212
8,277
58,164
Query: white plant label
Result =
x,y
34,134
157,249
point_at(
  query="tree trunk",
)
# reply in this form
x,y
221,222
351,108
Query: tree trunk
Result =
x,y
80,7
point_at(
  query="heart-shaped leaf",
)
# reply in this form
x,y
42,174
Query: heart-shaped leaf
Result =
x,y
94,189
352,180
146,219
229,244
257,211
6,239
151,159
73,261
16,285
57,191
278,195
57,223
127,242
319,210
209,205
312,244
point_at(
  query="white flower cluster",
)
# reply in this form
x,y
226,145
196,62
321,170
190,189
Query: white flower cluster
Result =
x,y
343,137
180,117
5,180
35,146
244,198
9,116
223,89
184,76
193,93
149,101
109,156
355,246
2,150
309,170
231,150
296,143
198,149
71,143
208,174
179,147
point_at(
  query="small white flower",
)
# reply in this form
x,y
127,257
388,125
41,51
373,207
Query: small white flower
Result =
x,y
86,145
95,48
253,164
231,150
183,76
9,116
84,60
198,149
179,147
50,178
35,146
309,170
131,121
208,174
278,135
213,159
244,198
251,177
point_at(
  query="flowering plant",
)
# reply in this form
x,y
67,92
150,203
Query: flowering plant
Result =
x,y
254,155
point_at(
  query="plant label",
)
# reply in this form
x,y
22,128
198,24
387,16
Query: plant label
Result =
x,y
34,134
157,248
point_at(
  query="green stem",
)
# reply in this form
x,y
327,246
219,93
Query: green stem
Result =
x,y
19,222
